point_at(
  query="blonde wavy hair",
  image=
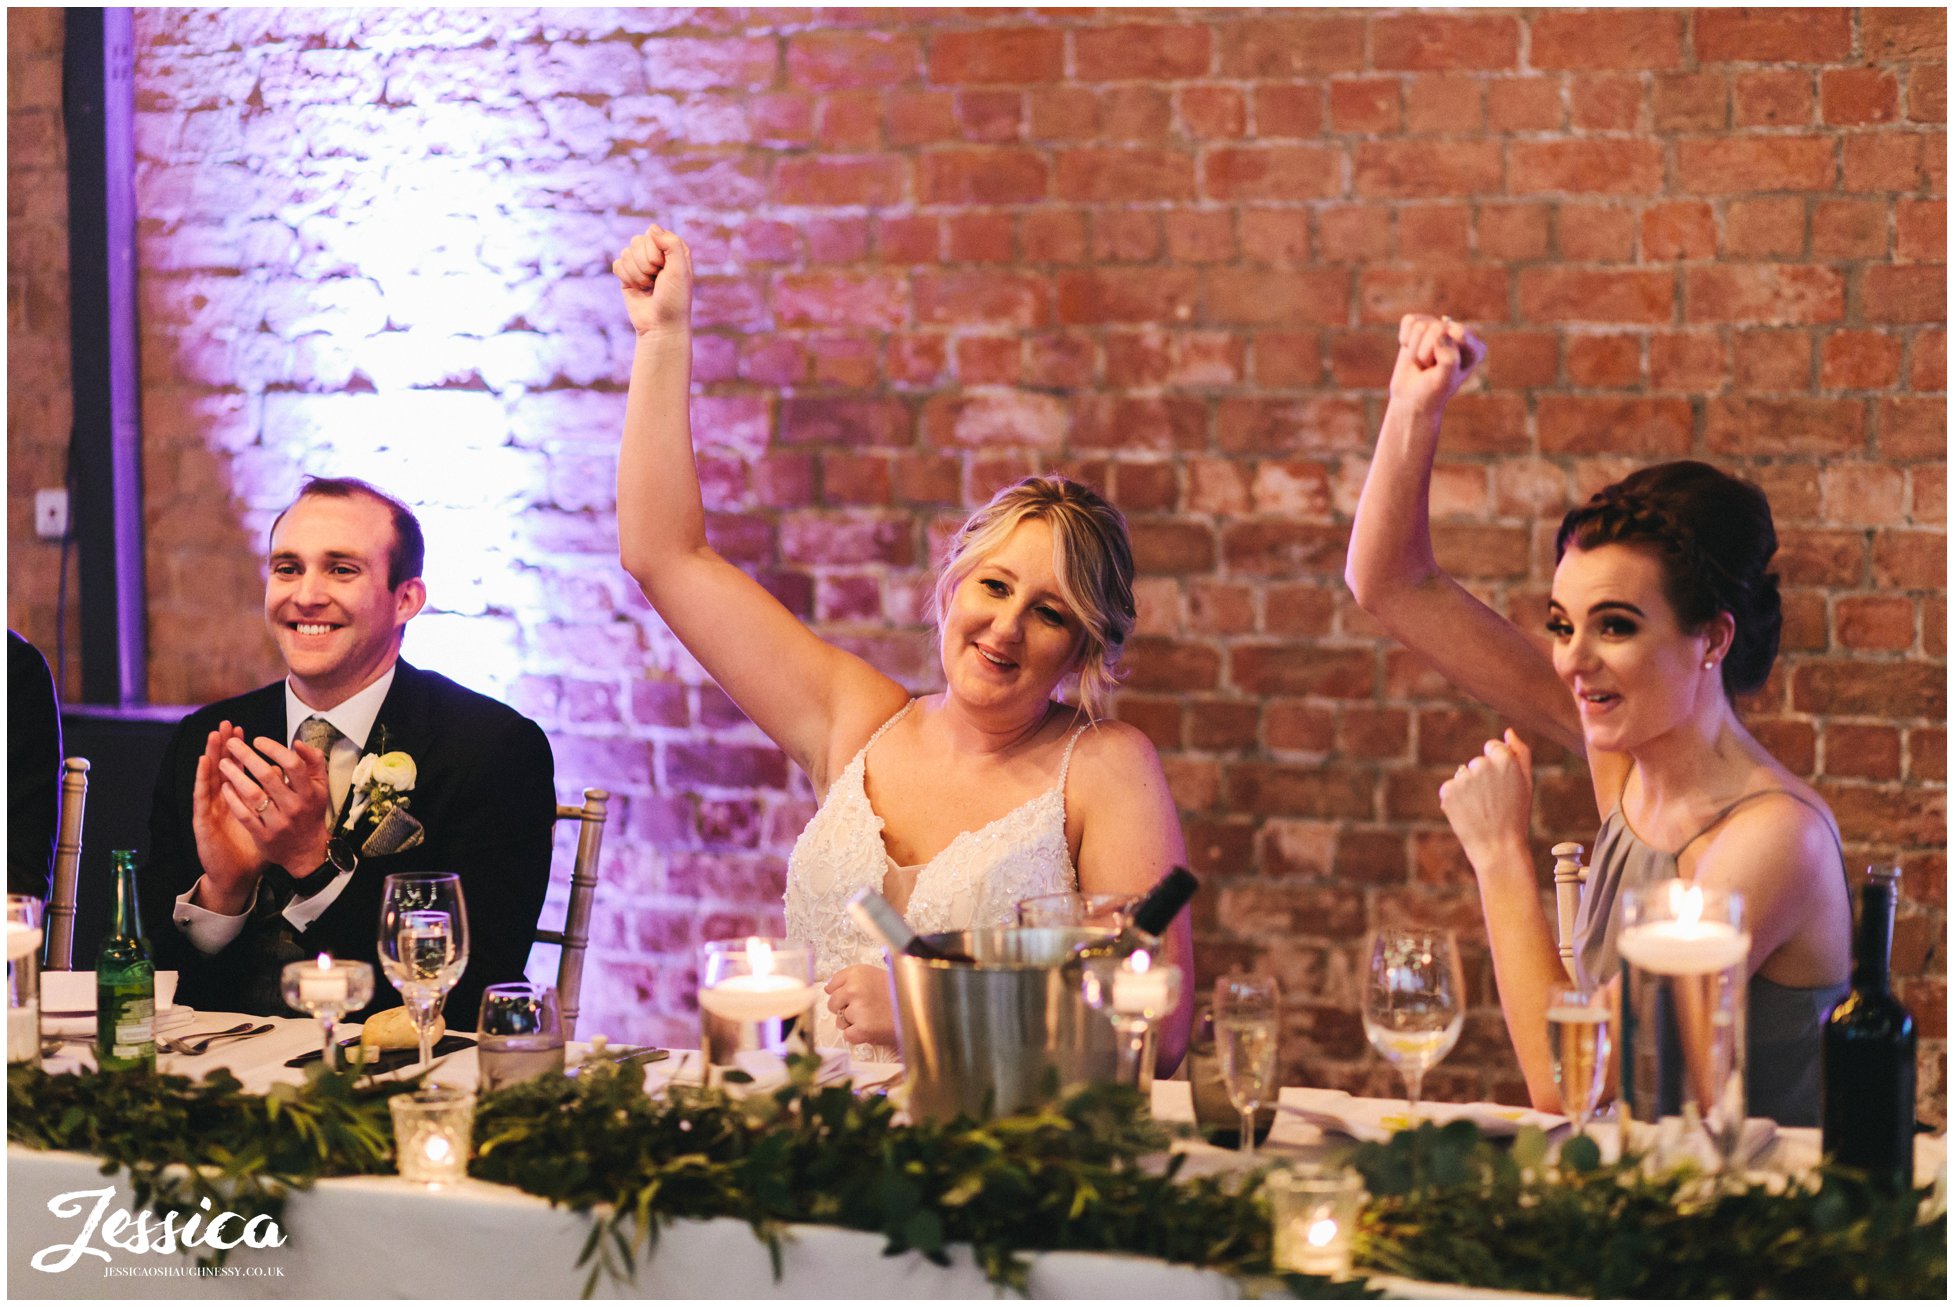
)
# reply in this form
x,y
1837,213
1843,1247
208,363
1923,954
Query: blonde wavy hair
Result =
x,y
1091,556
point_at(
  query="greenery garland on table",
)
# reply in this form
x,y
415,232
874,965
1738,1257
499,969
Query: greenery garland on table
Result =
x,y
1448,1205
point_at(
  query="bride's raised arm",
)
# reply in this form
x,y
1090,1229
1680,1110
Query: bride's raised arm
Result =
x,y
796,687
1390,567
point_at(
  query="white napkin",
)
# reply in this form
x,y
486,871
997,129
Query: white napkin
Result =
x,y
1376,1119
68,1004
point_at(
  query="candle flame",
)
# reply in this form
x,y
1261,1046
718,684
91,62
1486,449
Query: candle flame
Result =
x,y
759,956
1141,961
1321,1233
1685,903
325,962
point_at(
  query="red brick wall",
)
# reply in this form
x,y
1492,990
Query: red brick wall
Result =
x,y
40,404
1160,249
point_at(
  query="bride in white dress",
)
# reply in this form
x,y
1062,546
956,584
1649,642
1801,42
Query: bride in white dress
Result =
x,y
954,805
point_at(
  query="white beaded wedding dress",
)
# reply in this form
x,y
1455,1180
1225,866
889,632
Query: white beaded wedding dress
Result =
x,y
976,880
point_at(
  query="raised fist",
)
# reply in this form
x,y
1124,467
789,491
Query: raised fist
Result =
x,y
1435,356
655,271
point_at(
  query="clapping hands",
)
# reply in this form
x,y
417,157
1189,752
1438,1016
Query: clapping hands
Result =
x,y
251,807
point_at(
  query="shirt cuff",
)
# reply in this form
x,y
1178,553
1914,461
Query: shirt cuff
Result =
x,y
208,932
302,912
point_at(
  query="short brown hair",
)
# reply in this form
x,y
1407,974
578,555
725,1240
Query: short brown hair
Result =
x,y
408,554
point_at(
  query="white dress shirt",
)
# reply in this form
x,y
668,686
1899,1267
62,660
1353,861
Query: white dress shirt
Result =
x,y
211,931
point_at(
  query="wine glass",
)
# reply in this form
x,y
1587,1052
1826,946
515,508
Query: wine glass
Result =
x,y
1107,911
423,944
1414,1000
1577,1030
1247,1028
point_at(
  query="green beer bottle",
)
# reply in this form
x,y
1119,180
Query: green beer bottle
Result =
x,y
125,981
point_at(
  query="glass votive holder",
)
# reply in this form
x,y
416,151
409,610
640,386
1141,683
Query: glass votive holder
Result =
x,y
1313,1208
23,979
434,1130
755,994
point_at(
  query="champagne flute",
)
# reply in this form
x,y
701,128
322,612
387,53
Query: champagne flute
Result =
x,y
1414,1000
1577,1030
423,944
1247,1029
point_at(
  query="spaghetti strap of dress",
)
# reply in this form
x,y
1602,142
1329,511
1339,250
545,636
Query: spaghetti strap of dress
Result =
x,y
1717,820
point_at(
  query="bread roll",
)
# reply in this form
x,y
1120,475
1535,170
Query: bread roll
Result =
x,y
394,1028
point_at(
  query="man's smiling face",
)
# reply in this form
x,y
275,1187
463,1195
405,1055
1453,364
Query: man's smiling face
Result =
x,y
327,601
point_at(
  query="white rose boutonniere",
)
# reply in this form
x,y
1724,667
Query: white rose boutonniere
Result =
x,y
379,798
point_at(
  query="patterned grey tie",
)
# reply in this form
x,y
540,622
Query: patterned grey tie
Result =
x,y
322,735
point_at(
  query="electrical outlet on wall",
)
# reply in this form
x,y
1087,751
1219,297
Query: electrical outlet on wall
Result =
x,y
51,514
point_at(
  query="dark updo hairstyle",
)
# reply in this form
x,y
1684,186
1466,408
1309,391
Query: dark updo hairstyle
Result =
x,y
1713,534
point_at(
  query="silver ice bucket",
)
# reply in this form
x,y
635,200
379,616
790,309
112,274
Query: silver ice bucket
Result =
x,y
987,1039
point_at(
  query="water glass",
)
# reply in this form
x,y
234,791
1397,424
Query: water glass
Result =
x,y
1577,1033
24,936
520,1035
1685,980
1247,1031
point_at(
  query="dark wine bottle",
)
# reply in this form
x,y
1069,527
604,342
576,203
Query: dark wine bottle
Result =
x,y
1151,917
1868,1066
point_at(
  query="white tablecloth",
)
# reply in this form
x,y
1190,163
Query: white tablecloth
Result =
x,y
381,1237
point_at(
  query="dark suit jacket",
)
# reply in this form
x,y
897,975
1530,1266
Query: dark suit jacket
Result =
x,y
33,770
485,793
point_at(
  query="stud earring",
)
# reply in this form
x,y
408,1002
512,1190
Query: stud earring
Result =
x,y
1708,663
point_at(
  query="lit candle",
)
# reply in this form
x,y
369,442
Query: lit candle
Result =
x,y
1685,944
322,986
1315,1208
432,1134
761,994
1140,989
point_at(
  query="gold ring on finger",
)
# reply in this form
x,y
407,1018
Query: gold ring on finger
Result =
x,y
264,801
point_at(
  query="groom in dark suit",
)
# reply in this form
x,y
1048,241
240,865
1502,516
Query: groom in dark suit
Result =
x,y
270,837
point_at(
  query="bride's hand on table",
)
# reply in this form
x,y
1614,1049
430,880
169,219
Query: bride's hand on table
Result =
x,y
859,998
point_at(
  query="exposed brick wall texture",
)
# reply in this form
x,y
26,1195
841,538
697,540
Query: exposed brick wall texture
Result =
x,y
40,403
1162,250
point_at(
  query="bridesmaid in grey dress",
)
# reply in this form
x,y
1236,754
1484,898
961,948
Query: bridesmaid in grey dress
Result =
x,y
1662,610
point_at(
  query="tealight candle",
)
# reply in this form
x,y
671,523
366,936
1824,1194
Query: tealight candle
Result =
x,y
321,984
433,1134
1684,943
327,989
755,994
1314,1208
1142,989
